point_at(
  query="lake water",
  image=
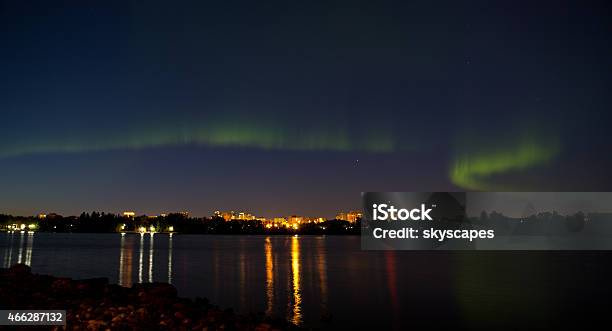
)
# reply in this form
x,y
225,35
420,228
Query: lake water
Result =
x,y
307,277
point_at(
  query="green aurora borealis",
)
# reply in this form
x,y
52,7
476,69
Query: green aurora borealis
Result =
x,y
241,134
474,166
475,169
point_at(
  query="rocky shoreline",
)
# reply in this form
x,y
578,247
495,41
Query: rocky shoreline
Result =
x,y
94,304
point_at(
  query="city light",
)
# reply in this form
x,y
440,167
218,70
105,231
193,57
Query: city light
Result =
x,y
128,222
129,214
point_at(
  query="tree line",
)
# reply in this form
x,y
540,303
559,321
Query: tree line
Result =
x,y
97,222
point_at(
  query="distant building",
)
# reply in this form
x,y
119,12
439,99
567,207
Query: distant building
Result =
x,y
276,222
246,216
295,221
226,215
232,215
351,216
303,220
42,216
314,220
129,214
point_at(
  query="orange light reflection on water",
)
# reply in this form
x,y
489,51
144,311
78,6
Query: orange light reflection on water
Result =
x,y
295,276
269,277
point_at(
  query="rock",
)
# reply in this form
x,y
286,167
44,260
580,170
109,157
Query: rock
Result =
x,y
93,284
163,290
20,269
62,284
93,304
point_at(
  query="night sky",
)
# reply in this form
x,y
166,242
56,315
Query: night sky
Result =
x,y
295,107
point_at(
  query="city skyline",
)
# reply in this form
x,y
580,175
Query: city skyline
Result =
x,y
237,214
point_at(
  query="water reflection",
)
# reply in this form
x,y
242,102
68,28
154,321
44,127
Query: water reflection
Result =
x,y
125,261
321,262
269,277
340,273
296,265
151,257
170,258
390,268
146,259
289,274
141,255
8,252
29,245
243,276
216,270
23,254
20,246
